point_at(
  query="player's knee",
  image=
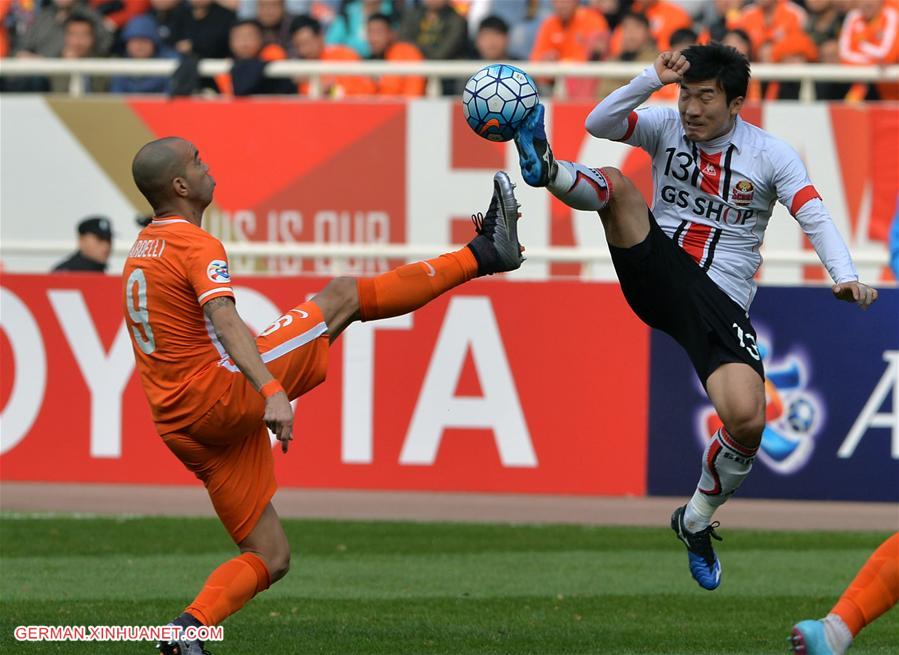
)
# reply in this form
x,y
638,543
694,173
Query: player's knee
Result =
x,y
339,292
746,424
278,562
614,177
622,188
339,300
624,197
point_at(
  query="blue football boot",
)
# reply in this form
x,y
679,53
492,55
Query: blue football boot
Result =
x,y
704,565
808,638
538,166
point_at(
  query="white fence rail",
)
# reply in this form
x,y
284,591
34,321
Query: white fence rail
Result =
x,y
806,74
339,254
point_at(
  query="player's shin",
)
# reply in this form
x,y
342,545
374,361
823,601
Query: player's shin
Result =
x,y
409,287
725,464
580,187
229,588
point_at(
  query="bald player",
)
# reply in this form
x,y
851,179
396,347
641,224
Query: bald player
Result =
x,y
214,388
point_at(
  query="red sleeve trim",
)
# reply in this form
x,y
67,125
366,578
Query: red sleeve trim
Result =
x,y
631,124
803,196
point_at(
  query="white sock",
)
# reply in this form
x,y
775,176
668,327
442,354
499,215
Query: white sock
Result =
x,y
837,633
725,464
579,187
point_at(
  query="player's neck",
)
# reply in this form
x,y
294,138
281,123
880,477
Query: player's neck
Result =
x,y
189,214
722,137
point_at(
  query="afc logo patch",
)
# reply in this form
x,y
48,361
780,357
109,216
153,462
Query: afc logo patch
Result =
x,y
743,192
217,271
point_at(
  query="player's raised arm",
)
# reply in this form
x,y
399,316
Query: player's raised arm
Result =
x,y
796,192
241,347
612,118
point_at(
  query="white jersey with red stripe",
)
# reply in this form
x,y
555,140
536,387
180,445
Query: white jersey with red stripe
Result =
x,y
715,198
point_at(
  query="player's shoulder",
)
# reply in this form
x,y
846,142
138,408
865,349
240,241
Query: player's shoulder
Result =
x,y
659,116
765,144
183,241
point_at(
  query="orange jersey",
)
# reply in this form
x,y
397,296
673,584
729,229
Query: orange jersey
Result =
x,y
343,85
875,41
871,42
173,269
763,30
393,85
665,18
573,41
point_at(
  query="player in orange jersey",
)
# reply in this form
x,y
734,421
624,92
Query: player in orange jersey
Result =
x,y
873,591
767,22
213,388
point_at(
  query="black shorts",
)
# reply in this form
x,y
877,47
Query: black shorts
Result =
x,y
670,292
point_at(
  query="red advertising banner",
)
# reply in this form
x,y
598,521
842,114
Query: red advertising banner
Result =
x,y
500,386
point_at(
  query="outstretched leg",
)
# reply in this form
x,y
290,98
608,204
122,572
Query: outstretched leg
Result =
x,y
495,249
625,217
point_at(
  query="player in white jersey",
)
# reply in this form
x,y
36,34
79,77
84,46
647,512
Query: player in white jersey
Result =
x,y
686,267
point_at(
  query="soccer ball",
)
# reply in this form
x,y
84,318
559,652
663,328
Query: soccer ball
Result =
x,y
497,99
801,415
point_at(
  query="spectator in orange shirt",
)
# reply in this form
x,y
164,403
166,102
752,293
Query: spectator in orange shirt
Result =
x,y
795,48
308,42
384,46
664,18
871,36
571,33
251,56
767,22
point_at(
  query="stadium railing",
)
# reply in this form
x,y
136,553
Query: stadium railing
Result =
x,y
339,254
435,71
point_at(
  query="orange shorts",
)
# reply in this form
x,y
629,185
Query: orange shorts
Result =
x,y
229,448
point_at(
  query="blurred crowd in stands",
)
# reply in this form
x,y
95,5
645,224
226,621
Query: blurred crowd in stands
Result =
x,y
255,32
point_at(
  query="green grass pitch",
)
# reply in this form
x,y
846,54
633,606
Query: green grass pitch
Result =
x,y
392,588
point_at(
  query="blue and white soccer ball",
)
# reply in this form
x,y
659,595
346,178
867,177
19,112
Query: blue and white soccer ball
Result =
x,y
497,99
801,415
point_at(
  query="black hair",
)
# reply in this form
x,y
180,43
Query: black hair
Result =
x,y
79,17
683,35
721,63
633,15
248,21
304,21
494,23
382,17
743,35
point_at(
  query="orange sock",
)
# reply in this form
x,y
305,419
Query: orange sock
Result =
x,y
874,590
228,588
408,287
